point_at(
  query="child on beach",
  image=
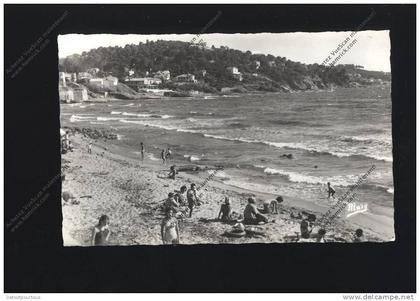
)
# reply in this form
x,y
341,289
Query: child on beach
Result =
x,y
170,229
225,213
100,233
330,190
172,172
272,206
192,198
162,155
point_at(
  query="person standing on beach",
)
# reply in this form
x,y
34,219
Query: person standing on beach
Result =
x,y
142,151
192,198
330,190
163,156
90,148
168,154
170,229
100,233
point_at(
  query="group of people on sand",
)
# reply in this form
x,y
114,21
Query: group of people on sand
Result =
x,y
178,205
181,203
307,227
165,154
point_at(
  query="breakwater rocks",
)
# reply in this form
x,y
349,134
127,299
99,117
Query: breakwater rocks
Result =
x,y
93,133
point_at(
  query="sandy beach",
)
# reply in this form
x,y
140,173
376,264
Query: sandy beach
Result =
x,y
130,193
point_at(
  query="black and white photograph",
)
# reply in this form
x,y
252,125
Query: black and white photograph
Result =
x,y
226,138
209,148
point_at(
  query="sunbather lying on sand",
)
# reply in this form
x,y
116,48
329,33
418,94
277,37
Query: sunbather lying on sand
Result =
x,y
170,229
251,214
296,216
100,233
225,213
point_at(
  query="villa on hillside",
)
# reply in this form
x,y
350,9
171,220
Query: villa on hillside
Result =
x,y
80,94
65,78
99,82
66,94
84,76
186,78
235,73
110,81
143,82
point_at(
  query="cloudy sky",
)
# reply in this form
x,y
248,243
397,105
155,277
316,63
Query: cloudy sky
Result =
x,y
372,49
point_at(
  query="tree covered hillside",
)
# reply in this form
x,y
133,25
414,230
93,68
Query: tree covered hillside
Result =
x,y
260,72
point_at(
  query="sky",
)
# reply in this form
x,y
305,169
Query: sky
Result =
x,y
372,49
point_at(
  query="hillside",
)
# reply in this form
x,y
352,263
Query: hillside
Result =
x,y
259,72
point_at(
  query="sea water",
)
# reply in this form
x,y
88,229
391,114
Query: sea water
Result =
x,y
287,144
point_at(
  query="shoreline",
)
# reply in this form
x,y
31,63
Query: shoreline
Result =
x,y
130,193
151,95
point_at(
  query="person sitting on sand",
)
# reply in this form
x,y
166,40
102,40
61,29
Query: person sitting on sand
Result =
x,y
251,214
162,155
170,229
225,213
330,190
273,205
170,202
306,226
321,236
358,236
181,196
100,233
172,172
192,198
